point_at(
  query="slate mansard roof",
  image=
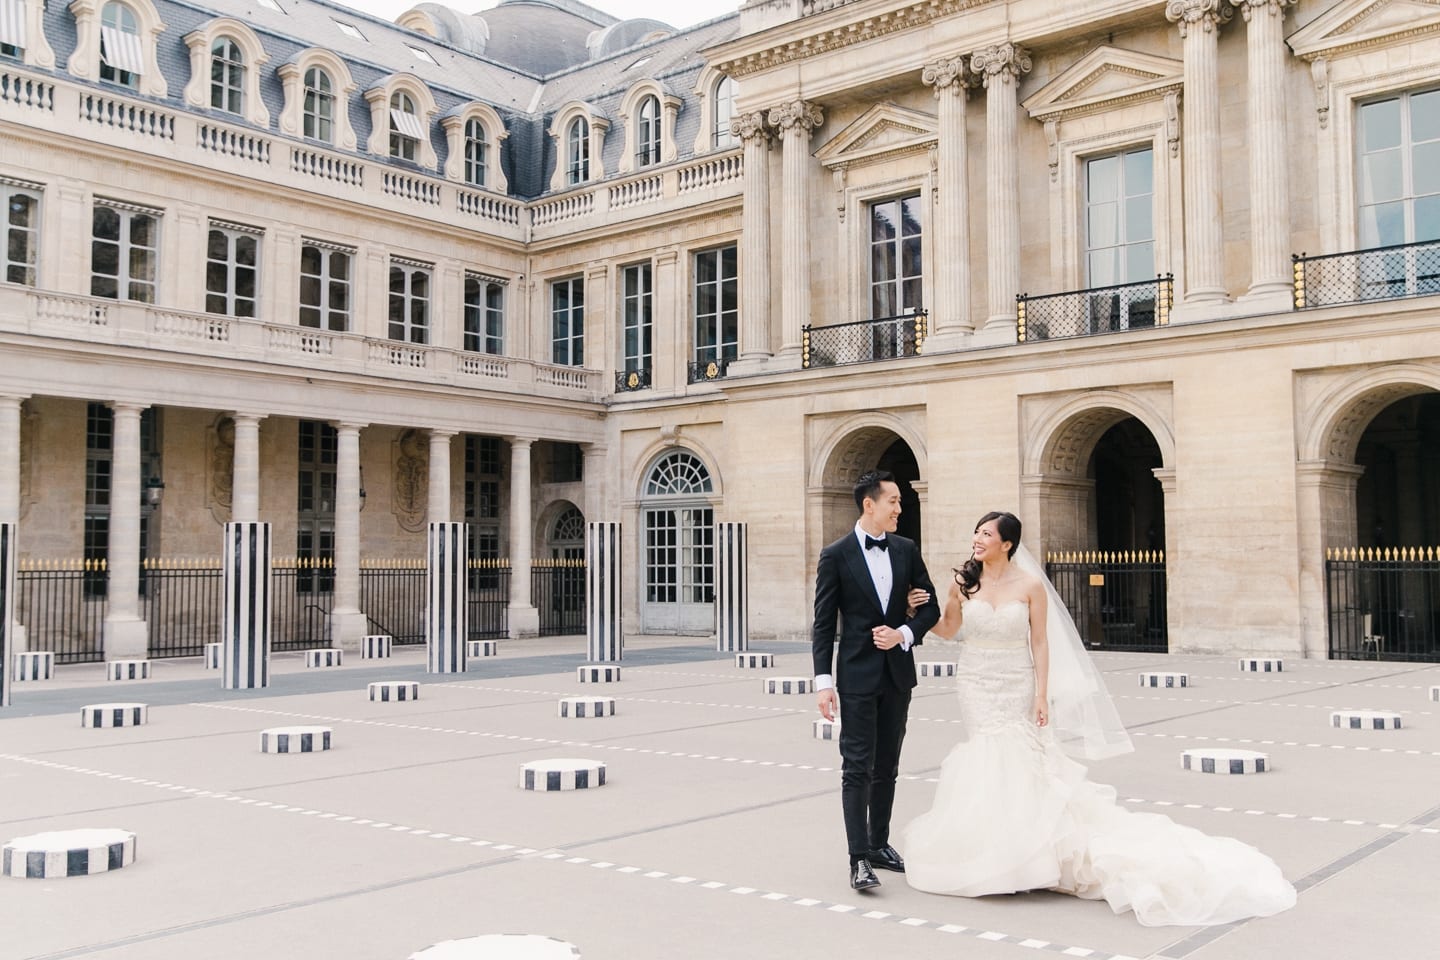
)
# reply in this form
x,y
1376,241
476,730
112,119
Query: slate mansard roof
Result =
x,y
525,58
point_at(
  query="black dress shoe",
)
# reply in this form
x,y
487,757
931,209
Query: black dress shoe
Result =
x,y
862,877
887,858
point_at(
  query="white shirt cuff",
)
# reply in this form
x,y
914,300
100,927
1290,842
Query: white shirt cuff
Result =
x,y
824,681
909,636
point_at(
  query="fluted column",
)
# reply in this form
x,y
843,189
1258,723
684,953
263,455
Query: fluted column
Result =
x,y
1199,22
524,618
245,472
347,622
125,634
950,315
10,458
1268,148
999,68
439,508
755,343
796,120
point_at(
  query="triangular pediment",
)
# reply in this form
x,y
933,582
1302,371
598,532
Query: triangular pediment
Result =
x,y
882,131
1104,77
1356,24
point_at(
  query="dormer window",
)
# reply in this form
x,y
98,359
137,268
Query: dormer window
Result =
x,y
477,153
405,130
723,111
227,76
577,152
121,55
647,133
319,106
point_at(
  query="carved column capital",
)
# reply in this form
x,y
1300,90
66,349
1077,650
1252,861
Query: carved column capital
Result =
x,y
951,74
1207,14
1249,8
751,126
1002,61
796,115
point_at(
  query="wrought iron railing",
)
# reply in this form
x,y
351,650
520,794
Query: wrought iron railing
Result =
x,y
863,341
392,595
626,380
1383,603
183,605
301,597
1116,598
1082,313
699,371
1380,273
557,589
62,604
488,614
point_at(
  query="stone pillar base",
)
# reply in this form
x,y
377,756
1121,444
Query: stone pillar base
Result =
x,y
348,629
948,341
997,332
126,639
1268,298
524,621
748,366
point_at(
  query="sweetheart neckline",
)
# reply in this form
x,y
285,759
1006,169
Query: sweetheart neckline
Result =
x,y
993,608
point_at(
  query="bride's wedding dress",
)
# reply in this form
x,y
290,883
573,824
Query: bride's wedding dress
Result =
x,y
1012,812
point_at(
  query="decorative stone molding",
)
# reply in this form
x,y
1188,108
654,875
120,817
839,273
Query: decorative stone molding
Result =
x,y
220,465
599,124
796,115
410,483
1002,61
37,52
1207,14
1106,79
1333,408
454,124
883,133
950,75
750,126
1249,8
630,110
704,95
1061,429
84,63
200,42
292,79
1353,26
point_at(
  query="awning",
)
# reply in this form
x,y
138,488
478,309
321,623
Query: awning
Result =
x,y
407,124
121,50
12,23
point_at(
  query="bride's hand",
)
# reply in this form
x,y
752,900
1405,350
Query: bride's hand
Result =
x,y
915,599
1042,711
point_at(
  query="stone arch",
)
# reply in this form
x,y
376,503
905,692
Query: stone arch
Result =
x,y
664,446
549,519
1061,443
842,454
1333,425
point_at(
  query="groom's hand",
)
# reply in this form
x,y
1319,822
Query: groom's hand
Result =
x,y
886,637
827,701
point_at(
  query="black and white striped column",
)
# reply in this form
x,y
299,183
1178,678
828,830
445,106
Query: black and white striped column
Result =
x,y
7,609
602,591
245,620
732,588
445,609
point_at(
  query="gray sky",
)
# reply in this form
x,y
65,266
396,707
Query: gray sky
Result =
x,y
677,13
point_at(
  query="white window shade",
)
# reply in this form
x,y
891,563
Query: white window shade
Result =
x,y
406,124
12,23
122,50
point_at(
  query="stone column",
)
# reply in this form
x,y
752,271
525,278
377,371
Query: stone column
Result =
x,y
1200,22
1267,144
245,615
524,618
348,625
732,587
126,637
595,477
447,603
796,120
8,646
999,68
950,313
10,458
754,242
245,472
604,636
439,508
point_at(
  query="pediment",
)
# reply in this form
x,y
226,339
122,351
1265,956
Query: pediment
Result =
x,y
882,131
1353,25
1105,77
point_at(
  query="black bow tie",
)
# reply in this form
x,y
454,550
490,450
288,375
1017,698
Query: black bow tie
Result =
x,y
882,543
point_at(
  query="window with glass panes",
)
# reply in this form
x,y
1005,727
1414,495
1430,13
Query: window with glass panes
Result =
x,y
647,132
21,250
482,505
99,475
717,304
567,321
118,27
409,302
567,462
316,450
577,151
895,257
124,253
227,76
325,286
484,315
232,271
724,112
1399,169
1119,218
402,144
477,153
636,302
319,113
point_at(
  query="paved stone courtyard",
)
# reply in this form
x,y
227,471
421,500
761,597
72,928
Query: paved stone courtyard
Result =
x,y
718,833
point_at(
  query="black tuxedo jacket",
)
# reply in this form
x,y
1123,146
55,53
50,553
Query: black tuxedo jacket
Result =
x,y
843,586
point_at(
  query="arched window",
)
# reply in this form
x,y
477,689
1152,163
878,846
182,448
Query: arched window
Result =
x,y
319,106
724,111
121,52
405,130
647,132
678,474
577,151
678,546
227,76
477,153
569,527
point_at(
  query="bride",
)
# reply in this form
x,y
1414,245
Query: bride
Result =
x,y
1012,812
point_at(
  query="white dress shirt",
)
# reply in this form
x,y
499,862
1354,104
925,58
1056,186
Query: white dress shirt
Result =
x,y
883,577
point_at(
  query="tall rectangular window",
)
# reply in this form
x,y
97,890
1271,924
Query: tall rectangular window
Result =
x,y
232,270
717,305
895,257
484,315
21,251
1399,169
1119,218
124,253
637,306
409,302
567,321
482,504
315,507
325,286
99,476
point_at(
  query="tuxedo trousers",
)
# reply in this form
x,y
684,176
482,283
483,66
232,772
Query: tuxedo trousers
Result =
x,y
872,728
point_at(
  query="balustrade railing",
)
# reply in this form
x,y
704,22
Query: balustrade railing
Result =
x,y
126,115
408,187
633,192
711,172
190,326
863,341
1082,313
233,143
563,208
488,206
1383,603
1357,276
315,163
27,91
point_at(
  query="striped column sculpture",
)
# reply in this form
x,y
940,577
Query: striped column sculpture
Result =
x,y
732,588
445,608
603,640
245,618
7,609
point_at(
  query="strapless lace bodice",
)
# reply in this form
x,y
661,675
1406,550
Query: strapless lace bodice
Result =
x,y
1005,626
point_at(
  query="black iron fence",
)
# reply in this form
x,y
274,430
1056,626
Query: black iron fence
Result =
x,y
1380,273
62,605
182,605
302,593
1383,603
863,341
392,594
489,611
699,371
626,380
557,588
1082,313
1117,599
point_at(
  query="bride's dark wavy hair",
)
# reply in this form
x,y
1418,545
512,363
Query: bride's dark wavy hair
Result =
x,y
968,576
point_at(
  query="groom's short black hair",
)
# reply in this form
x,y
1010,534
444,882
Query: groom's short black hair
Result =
x,y
869,486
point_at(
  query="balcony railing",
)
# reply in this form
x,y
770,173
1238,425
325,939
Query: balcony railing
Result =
x,y
863,341
627,380
1380,273
1083,313
701,371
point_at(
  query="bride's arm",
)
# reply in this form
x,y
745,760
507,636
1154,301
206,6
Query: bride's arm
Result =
x,y
950,617
1040,652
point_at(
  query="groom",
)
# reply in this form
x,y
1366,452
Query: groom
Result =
x,y
864,577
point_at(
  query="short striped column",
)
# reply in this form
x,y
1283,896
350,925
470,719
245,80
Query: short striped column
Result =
x,y
324,657
1164,679
295,739
375,647
1219,760
564,774
732,590
603,639
245,616
826,729
936,668
393,691
67,853
475,649
446,612
1365,720
1261,665
500,946
786,685
1435,694
114,715
213,653
34,665
7,609
754,661
127,669
598,673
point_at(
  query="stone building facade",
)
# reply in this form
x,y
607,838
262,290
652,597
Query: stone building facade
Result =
x,y
1159,277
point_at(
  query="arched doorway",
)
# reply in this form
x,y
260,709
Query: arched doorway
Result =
x,y
864,449
678,549
558,584
565,534
899,459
